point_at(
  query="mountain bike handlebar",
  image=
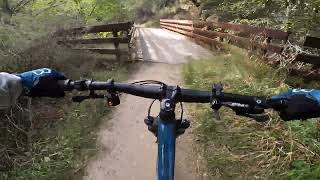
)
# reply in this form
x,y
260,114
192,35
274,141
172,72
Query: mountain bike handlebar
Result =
x,y
162,91
165,126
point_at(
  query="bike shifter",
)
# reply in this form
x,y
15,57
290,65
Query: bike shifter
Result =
x,y
215,102
215,106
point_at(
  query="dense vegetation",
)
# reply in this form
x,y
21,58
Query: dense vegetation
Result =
x,y
23,21
297,16
55,141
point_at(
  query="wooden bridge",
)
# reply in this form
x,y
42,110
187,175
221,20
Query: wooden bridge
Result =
x,y
115,33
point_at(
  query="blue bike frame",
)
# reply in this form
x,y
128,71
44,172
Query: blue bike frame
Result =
x,y
166,149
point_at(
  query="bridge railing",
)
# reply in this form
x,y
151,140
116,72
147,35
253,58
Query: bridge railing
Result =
x,y
310,42
243,36
122,33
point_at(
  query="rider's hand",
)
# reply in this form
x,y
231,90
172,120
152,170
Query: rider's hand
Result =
x,y
301,104
42,83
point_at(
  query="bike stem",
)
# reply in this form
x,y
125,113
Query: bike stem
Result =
x,y
167,129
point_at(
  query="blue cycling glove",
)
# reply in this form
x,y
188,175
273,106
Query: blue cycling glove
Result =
x,y
301,104
42,83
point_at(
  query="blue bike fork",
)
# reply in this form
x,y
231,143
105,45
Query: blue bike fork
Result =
x,y
166,149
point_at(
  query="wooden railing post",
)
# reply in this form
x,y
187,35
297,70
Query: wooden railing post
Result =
x,y
128,35
266,42
116,44
221,39
314,59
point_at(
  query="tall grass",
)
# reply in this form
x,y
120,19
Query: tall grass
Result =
x,y
61,136
63,148
239,147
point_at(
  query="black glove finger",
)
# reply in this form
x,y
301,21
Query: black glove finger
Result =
x,y
300,107
47,87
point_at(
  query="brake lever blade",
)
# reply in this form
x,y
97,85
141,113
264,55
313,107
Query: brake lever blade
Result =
x,y
256,117
79,99
259,117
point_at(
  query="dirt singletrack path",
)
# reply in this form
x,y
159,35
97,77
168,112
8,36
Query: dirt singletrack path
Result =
x,y
129,151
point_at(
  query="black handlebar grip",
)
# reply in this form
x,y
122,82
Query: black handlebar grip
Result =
x,y
277,104
66,85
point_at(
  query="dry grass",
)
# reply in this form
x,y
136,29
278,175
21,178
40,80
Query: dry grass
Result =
x,y
61,134
238,147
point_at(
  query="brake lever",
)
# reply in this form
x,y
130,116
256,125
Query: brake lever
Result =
x,y
257,117
79,99
92,95
255,113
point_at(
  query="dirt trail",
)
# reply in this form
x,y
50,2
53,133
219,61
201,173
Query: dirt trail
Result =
x,y
129,150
